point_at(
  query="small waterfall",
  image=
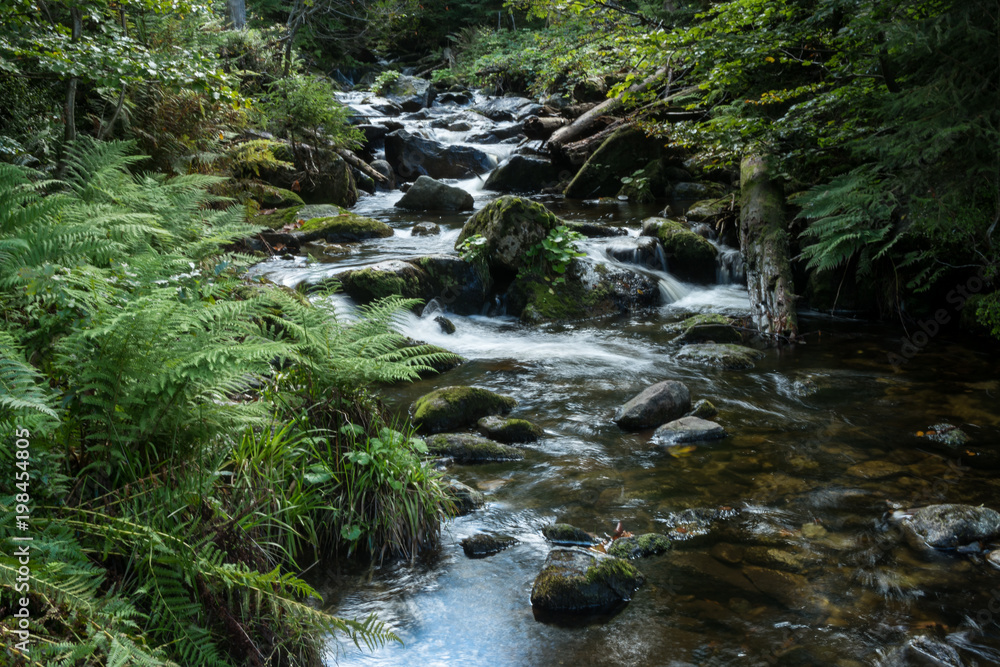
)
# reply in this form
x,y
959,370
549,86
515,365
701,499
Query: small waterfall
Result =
x,y
729,266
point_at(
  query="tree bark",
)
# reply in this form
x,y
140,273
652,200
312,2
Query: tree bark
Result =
x,y
764,242
69,109
236,14
542,128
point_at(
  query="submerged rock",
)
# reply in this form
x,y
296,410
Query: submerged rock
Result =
x,y
639,546
482,545
709,327
450,408
564,533
923,651
948,435
726,356
576,580
655,405
428,194
689,256
948,526
508,430
689,429
469,448
466,498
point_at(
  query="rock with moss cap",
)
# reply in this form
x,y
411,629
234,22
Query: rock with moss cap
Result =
x,y
703,409
582,581
708,327
321,221
469,448
510,227
689,256
482,545
465,498
718,355
654,405
391,278
639,546
409,92
450,408
566,534
508,430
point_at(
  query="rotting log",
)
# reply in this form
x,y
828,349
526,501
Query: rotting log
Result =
x,y
764,243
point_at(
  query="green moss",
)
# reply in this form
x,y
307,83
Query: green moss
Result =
x,y
468,448
346,224
709,326
703,409
280,198
367,285
731,357
454,407
545,302
277,219
689,256
641,546
616,571
509,430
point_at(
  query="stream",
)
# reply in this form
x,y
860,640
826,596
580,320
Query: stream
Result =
x,y
823,444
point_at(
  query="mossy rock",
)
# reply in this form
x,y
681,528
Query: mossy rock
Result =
x,y
703,409
482,545
276,219
465,498
469,448
509,430
639,546
325,222
451,408
461,287
711,210
577,580
706,327
280,198
566,534
601,174
511,226
689,256
391,278
729,357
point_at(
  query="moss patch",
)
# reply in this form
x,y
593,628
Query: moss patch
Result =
x,y
450,408
639,546
578,580
689,256
392,278
468,448
346,226
730,357
545,302
509,430
276,219
706,327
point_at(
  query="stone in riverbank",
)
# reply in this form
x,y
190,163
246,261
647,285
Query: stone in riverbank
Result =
x,y
689,429
469,448
428,194
508,430
726,356
655,405
482,545
451,408
576,580
689,256
565,534
466,498
522,174
949,525
639,546
413,156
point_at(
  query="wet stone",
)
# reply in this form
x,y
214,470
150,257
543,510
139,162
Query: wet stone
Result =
x,y
446,325
425,229
578,580
948,435
949,525
725,356
468,448
454,407
639,546
703,409
564,533
466,498
654,406
688,429
508,430
482,545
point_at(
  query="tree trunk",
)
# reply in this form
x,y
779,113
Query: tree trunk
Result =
x,y
69,109
764,242
236,14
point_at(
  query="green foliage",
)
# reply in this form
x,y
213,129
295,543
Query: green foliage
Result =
x,y
304,106
555,253
473,249
383,80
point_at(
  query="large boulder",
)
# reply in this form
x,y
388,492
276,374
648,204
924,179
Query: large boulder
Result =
x,y
413,156
508,108
589,290
663,402
582,581
720,355
427,194
459,286
522,174
949,526
618,156
469,448
298,225
384,168
510,226
688,429
409,92
689,256
334,184
451,408
390,278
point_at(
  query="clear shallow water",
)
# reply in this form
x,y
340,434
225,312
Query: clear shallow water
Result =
x,y
810,426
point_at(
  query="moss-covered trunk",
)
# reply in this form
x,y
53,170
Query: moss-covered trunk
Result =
x,y
764,242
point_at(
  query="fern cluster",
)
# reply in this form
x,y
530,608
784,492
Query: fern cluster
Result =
x,y
193,432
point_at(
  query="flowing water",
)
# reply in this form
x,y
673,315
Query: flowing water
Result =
x,y
823,444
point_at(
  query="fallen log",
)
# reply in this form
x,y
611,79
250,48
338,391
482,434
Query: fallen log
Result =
x,y
542,128
764,243
577,152
360,164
